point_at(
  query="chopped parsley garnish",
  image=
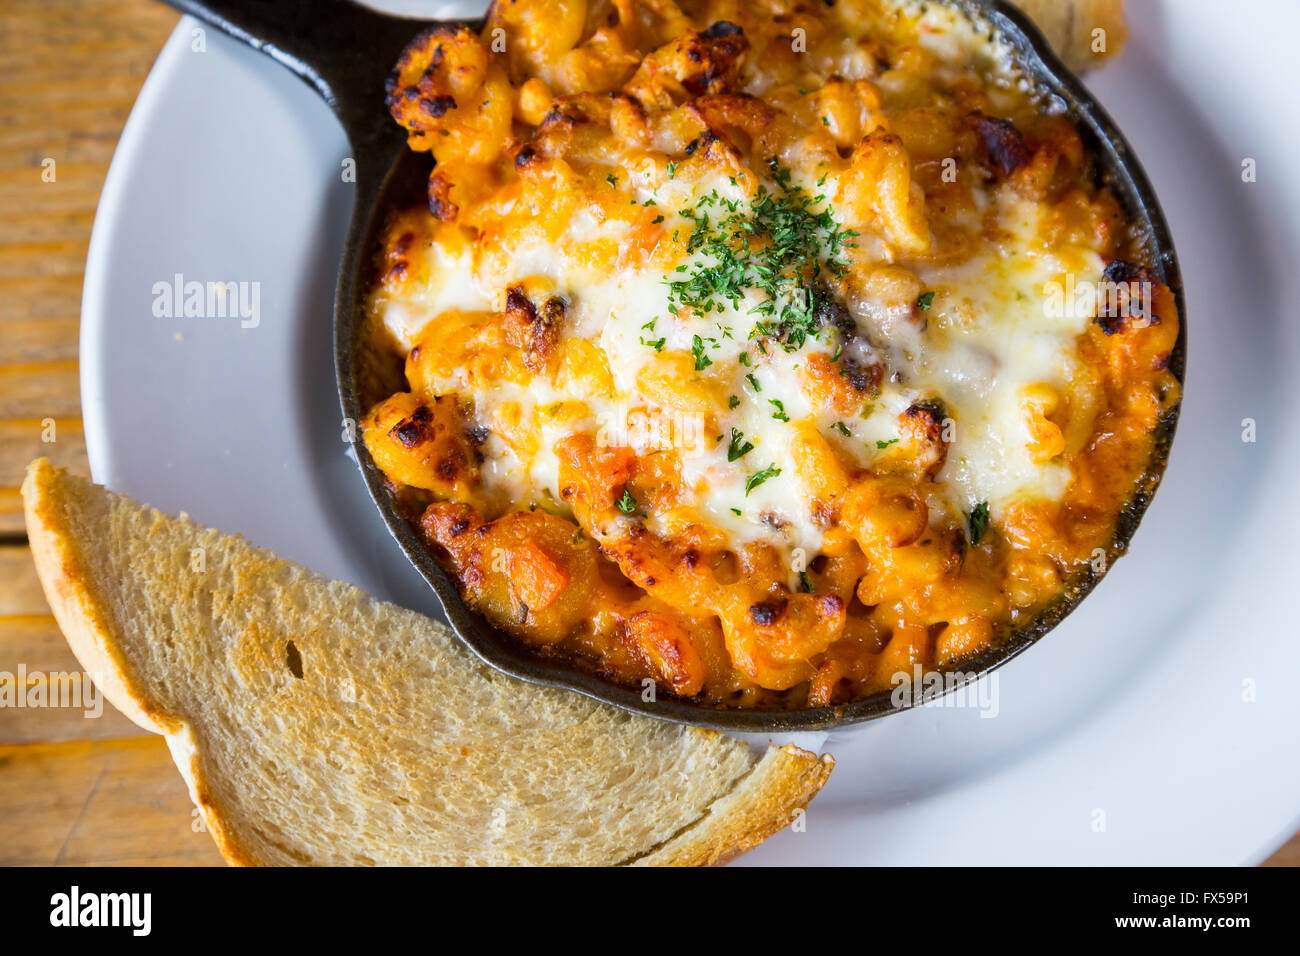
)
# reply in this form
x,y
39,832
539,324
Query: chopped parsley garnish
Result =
x,y
736,511
626,504
672,169
733,401
804,584
841,428
754,382
756,479
886,444
978,522
656,220
779,414
925,301
702,361
739,448
778,245
653,344
743,359
611,179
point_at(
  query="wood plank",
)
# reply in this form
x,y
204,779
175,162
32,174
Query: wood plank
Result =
x,y
37,667
38,340
26,148
40,297
21,595
40,390
11,515
1288,855
96,803
75,186
61,440
35,641
68,219
56,258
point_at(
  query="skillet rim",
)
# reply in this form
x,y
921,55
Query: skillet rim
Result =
x,y
1118,167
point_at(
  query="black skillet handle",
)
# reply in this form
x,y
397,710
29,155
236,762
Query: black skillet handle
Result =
x,y
344,50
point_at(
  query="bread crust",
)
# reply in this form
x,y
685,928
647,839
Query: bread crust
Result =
x,y
767,801
73,602
71,596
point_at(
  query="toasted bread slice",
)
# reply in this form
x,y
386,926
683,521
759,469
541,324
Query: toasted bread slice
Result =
x,y
317,725
1071,26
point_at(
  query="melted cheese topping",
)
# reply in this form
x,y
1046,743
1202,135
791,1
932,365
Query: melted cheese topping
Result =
x,y
990,334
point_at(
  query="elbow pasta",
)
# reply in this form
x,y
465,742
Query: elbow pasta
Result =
x,y
744,344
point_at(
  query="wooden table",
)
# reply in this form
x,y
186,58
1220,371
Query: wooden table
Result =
x,y
73,790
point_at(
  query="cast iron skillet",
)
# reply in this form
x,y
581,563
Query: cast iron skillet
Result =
x,y
346,52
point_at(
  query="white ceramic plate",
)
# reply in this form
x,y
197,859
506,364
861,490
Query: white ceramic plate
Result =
x,y
1159,724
